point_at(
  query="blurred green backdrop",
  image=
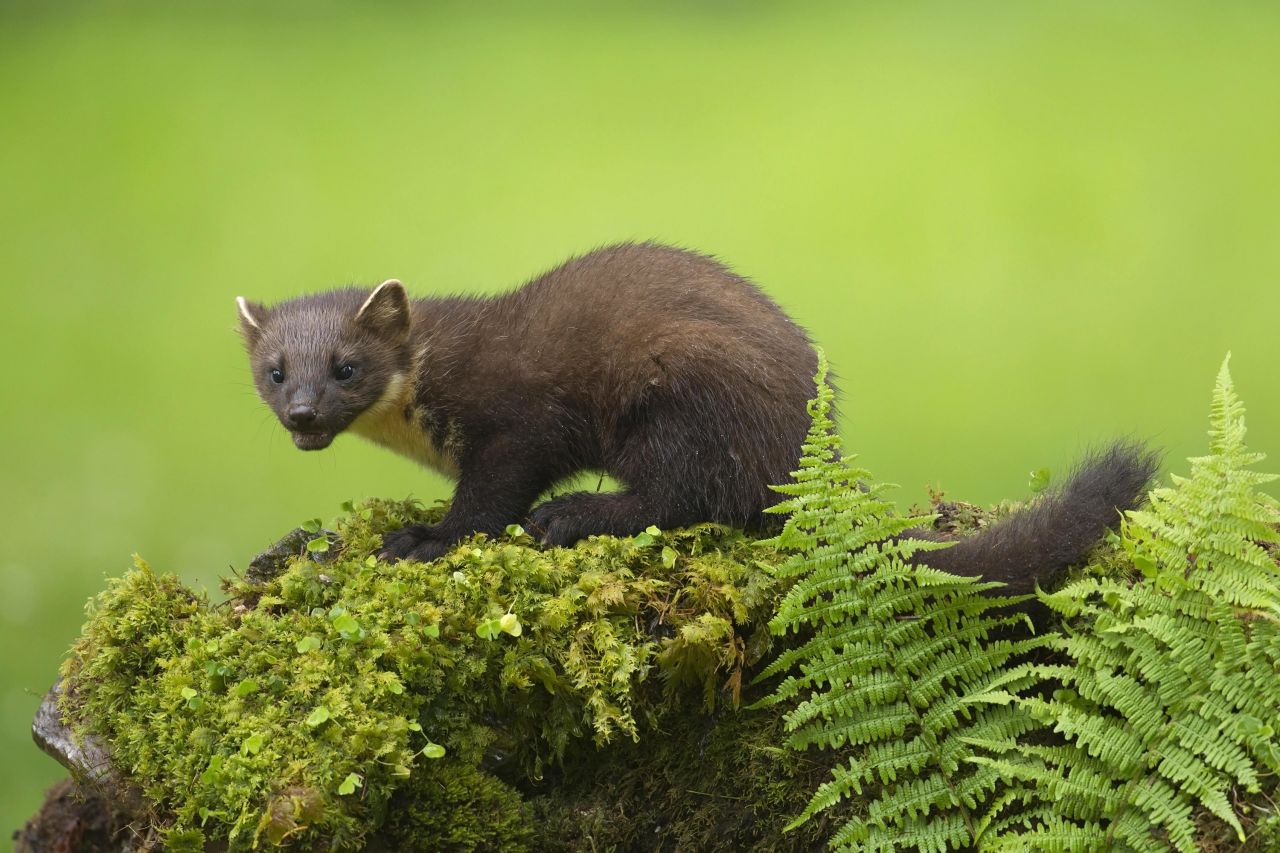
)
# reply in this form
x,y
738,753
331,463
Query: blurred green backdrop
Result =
x,y
1018,229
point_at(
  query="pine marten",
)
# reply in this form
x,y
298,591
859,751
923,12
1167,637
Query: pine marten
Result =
x,y
657,365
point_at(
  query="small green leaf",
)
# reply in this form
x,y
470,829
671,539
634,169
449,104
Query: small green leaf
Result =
x,y
371,561
1039,480
510,623
431,630
349,785
346,625
1146,565
312,526
366,513
668,556
415,727
515,531
307,644
252,744
213,772
246,688
193,699
643,540
318,545
348,507
489,629
433,750
653,530
318,716
395,688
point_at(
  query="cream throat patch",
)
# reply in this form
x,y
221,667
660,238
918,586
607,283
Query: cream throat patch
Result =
x,y
398,424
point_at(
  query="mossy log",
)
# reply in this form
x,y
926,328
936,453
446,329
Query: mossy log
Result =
x,y
504,697
592,698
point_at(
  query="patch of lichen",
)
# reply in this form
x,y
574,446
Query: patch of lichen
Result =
x,y
295,711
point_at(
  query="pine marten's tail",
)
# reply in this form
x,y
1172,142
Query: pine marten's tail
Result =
x,y
1060,527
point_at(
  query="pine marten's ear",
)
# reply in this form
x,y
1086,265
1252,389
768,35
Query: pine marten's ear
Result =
x,y
386,310
251,315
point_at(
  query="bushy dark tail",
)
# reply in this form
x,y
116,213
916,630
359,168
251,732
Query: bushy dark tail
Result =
x,y
1060,527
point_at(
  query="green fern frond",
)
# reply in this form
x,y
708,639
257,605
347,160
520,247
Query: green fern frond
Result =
x,y
897,665
1167,690
1216,521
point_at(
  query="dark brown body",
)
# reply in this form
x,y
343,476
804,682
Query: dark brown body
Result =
x,y
659,366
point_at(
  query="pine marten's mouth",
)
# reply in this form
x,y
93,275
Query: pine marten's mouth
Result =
x,y
312,440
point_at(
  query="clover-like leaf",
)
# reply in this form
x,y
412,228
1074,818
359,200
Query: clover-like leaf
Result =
x,y
349,785
307,644
252,745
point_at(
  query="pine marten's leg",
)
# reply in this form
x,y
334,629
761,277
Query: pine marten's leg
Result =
x,y
497,484
577,515
677,469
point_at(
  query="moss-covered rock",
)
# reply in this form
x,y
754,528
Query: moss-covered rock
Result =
x,y
350,697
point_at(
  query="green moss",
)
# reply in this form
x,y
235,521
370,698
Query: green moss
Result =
x,y
454,806
704,782
295,711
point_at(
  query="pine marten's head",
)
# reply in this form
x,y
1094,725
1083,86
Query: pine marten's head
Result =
x,y
321,361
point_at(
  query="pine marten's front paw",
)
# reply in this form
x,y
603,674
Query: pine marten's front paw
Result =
x,y
415,542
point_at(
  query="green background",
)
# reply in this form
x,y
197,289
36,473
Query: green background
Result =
x,y
1018,229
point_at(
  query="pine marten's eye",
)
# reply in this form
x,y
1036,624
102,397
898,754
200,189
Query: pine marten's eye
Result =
x,y
344,371
277,375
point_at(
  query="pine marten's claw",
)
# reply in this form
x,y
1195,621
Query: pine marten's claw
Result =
x,y
415,542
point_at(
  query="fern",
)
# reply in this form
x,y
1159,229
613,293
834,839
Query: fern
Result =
x,y
1166,691
898,667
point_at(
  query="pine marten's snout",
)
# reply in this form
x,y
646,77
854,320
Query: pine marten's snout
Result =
x,y
309,431
301,415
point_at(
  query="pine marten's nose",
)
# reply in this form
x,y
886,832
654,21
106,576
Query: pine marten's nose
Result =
x,y
301,415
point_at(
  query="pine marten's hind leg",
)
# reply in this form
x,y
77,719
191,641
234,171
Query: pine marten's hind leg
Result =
x,y
577,515
498,482
676,472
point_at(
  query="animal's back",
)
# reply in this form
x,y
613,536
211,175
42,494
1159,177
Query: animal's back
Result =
x,y
636,316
